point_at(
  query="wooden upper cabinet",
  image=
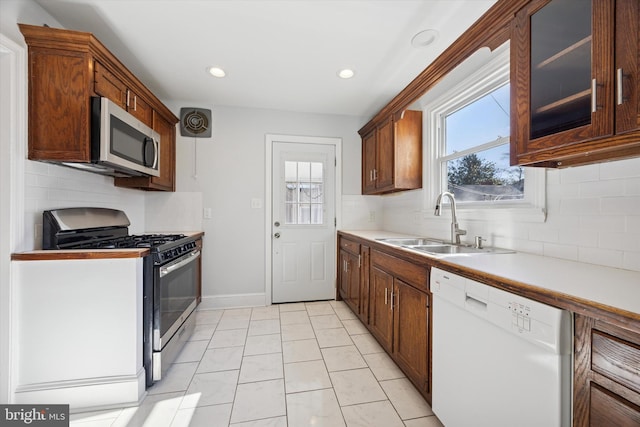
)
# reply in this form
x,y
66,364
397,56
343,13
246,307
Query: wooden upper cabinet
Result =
x,y
574,67
58,91
392,155
66,69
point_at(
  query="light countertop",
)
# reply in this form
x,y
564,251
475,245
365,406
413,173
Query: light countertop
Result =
x,y
600,286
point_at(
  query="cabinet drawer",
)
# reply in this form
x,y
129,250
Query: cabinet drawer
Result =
x,y
350,246
616,359
413,274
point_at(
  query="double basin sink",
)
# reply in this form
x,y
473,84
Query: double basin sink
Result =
x,y
439,247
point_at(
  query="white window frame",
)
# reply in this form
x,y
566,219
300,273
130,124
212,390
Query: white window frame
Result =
x,y
486,79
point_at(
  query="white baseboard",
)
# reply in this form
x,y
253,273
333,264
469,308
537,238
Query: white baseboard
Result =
x,y
87,394
214,302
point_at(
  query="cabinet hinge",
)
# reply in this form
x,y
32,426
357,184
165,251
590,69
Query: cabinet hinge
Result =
x,y
335,222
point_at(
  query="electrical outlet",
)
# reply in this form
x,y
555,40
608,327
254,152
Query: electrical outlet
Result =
x,y
206,213
256,203
372,216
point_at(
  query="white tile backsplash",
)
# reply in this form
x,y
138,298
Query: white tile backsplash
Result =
x,y
593,216
49,186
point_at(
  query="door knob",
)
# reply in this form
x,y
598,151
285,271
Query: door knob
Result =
x,y
277,235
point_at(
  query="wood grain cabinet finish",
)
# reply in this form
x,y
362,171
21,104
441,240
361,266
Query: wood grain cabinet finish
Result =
x,y
67,68
400,317
575,82
606,374
353,282
392,155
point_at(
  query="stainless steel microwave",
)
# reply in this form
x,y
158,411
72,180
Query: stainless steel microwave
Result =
x,y
121,145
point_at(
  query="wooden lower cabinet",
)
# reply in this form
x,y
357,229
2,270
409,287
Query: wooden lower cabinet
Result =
x,y
380,315
399,315
606,374
411,333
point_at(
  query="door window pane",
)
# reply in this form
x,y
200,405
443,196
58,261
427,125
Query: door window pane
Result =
x,y
304,193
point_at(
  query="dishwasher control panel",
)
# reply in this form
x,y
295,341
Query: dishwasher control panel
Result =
x,y
520,315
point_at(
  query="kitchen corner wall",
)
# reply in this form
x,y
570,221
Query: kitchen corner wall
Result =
x,y
228,170
593,216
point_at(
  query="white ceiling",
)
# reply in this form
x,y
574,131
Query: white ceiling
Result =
x,y
278,54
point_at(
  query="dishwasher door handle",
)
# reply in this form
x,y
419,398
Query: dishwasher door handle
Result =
x,y
475,304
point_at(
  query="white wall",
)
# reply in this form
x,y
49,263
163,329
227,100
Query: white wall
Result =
x,y
593,217
229,171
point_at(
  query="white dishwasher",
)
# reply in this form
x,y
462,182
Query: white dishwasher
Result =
x,y
498,359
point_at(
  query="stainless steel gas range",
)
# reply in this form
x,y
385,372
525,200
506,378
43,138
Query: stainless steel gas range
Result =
x,y
171,275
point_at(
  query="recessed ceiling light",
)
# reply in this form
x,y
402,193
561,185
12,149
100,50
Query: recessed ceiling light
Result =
x,y
216,71
424,38
346,73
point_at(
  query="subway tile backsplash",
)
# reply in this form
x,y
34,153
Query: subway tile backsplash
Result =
x,y
593,216
49,186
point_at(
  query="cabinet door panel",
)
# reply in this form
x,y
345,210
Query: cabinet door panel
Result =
x,y
380,315
343,277
353,280
109,86
411,332
607,409
385,162
140,109
562,84
627,57
368,163
58,106
166,180
364,284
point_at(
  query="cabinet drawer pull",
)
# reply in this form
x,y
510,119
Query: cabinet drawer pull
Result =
x,y
392,293
385,295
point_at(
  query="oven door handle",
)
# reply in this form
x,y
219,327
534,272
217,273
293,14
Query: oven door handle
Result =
x,y
172,267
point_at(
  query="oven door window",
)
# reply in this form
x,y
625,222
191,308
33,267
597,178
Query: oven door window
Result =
x,y
177,283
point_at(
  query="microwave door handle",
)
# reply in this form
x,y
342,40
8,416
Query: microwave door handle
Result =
x,y
156,153
146,162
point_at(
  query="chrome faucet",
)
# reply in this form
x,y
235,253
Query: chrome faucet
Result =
x,y
455,231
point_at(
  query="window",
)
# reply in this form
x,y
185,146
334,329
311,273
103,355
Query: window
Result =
x,y
468,144
304,193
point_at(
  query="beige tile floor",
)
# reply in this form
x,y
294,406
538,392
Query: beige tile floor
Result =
x,y
289,365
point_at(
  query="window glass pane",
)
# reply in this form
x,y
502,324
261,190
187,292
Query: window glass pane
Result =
x,y
317,195
290,171
484,120
304,214
291,192
304,193
304,171
316,172
485,176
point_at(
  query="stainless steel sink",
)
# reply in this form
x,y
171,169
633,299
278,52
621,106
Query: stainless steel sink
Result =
x,y
439,247
412,241
455,249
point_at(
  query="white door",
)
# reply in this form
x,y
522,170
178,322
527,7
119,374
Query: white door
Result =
x,y
303,227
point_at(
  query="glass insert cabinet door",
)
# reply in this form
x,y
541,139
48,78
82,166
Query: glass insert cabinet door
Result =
x,y
562,88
